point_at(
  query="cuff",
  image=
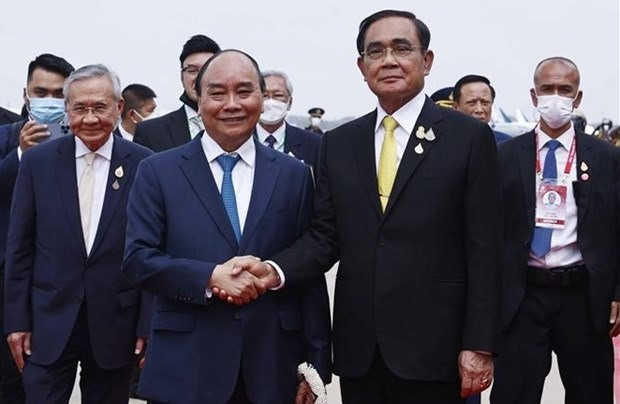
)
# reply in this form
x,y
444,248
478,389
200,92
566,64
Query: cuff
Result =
x,y
280,274
19,153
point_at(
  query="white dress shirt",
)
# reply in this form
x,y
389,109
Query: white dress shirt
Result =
x,y
564,250
193,130
278,134
126,135
101,169
406,116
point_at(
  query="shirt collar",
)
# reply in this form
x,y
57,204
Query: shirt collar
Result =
x,y
104,151
247,151
406,116
565,139
278,133
189,112
124,133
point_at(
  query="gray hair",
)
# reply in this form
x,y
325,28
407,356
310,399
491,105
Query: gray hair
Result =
x,y
90,72
278,73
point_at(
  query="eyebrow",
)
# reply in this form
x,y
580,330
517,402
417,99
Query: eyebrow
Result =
x,y
394,41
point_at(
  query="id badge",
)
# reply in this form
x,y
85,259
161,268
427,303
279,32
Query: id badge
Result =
x,y
551,205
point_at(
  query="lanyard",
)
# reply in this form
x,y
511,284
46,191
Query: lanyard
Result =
x,y
569,162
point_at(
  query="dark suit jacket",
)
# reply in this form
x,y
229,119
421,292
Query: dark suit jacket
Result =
x,y
165,132
198,346
501,137
421,280
9,137
598,218
48,274
7,116
303,144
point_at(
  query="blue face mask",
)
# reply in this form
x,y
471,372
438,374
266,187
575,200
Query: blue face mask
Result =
x,y
47,110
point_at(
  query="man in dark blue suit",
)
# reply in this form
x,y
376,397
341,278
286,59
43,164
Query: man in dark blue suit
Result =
x,y
474,96
273,130
192,210
66,299
180,126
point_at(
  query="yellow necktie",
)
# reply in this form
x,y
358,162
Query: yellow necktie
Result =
x,y
387,161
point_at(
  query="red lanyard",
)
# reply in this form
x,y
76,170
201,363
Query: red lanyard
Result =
x,y
569,162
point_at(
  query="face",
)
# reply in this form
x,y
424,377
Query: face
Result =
x,y
44,84
276,89
146,109
556,77
189,72
231,101
92,111
476,100
394,79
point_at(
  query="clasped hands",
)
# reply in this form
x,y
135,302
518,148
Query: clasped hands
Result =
x,y
242,279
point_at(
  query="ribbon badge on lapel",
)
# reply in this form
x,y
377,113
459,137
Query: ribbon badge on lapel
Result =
x,y
118,173
421,133
584,174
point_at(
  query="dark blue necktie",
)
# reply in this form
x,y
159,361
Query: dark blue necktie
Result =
x,y
227,162
541,242
271,141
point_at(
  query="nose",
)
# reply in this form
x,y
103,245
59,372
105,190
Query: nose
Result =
x,y
90,116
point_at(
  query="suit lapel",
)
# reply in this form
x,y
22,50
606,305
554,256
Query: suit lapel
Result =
x,y
196,169
67,181
121,158
178,127
430,118
265,178
363,146
582,188
293,144
527,169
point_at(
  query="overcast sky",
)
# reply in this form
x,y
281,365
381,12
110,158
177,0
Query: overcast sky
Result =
x,y
314,42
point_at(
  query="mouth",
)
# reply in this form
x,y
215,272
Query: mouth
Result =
x,y
233,119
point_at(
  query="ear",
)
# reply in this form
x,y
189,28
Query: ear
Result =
x,y
577,101
290,103
199,106
361,66
429,56
25,96
533,97
120,104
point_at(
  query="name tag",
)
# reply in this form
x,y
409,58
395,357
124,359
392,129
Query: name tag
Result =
x,y
551,204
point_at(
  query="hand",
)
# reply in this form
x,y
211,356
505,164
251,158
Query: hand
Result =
x,y
239,288
614,319
262,271
31,134
476,371
140,350
304,394
19,343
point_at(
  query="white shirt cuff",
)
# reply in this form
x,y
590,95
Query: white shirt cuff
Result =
x,y
280,274
19,153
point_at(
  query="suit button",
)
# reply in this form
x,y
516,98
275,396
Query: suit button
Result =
x,y
237,315
526,243
381,242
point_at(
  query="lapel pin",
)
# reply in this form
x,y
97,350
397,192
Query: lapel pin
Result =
x,y
430,135
420,132
419,149
115,185
584,166
291,154
119,172
585,176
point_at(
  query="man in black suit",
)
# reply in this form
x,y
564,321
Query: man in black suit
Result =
x,y
408,200
180,126
560,281
139,104
273,130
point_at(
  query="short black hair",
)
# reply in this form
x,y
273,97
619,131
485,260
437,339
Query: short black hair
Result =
x,y
135,95
198,44
471,78
424,34
50,63
261,79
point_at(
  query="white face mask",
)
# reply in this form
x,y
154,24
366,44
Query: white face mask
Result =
x,y
315,121
274,111
554,109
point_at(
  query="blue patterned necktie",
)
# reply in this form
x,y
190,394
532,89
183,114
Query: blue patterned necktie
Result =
x,y
541,242
227,162
271,141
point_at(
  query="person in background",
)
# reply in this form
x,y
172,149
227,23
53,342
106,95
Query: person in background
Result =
x,y
139,105
316,116
443,97
180,126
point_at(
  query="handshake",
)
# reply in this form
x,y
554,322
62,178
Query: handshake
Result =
x,y
242,279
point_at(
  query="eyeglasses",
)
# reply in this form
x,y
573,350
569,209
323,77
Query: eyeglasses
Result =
x,y
97,110
399,51
191,70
